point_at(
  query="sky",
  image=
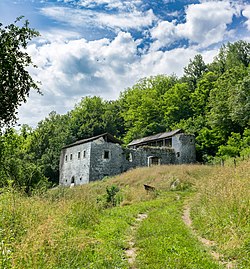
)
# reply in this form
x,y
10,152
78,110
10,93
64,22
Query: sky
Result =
x,y
102,47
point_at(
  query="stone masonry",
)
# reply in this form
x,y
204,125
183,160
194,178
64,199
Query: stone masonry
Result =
x,y
97,157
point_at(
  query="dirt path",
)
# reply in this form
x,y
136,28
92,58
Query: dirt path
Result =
x,y
208,243
131,251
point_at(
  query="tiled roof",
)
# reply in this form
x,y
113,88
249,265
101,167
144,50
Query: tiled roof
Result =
x,y
110,138
155,137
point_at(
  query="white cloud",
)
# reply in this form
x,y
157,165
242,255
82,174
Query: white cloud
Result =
x,y
78,68
111,4
206,24
246,13
81,18
164,33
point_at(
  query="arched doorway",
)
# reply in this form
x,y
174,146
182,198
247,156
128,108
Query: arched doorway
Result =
x,y
72,181
153,160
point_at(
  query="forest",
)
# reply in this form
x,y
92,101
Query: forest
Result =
x,y
211,101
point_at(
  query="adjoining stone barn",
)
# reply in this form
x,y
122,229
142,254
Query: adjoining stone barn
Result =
x,y
103,155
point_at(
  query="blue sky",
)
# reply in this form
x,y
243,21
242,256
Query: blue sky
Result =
x,y
102,47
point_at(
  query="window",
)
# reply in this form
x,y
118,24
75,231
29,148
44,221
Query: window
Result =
x,y
106,154
80,179
66,158
168,142
79,155
178,154
71,156
84,154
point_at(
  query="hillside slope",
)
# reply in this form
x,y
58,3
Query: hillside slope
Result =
x,y
92,226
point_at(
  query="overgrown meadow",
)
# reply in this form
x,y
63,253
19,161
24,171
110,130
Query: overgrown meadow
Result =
x,y
88,226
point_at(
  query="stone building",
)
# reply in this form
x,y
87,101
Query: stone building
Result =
x,y
103,155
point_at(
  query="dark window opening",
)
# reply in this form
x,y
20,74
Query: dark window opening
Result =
x,y
66,158
178,154
84,154
168,142
159,143
79,155
106,154
80,179
73,180
71,156
155,161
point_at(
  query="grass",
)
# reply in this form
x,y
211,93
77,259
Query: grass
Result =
x,y
75,228
165,241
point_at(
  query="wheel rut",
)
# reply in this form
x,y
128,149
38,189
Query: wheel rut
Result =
x,y
208,243
131,251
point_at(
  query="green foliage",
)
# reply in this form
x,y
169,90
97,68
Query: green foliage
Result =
x,y
194,71
142,107
176,104
15,81
232,148
46,141
94,116
16,164
112,197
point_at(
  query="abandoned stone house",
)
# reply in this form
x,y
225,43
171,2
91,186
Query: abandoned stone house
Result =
x,y
103,155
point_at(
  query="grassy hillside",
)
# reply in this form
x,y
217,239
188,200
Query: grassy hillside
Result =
x,y
82,228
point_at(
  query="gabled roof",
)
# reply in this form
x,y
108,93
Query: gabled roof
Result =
x,y
106,136
145,140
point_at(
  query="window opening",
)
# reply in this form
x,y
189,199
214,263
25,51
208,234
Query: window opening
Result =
x,y
84,154
106,154
66,158
168,142
178,154
79,155
71,156
73,180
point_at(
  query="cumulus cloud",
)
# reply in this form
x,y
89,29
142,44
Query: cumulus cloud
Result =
x,y
77,68
206,24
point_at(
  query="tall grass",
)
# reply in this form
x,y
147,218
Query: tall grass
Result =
x,y
221,211
73,228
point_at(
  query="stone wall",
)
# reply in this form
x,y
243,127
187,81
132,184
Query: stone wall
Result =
x,y
139,157
184,146
100,165
75,169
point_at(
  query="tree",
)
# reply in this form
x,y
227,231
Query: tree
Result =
x,y
46,141
194,71
176,104
142,106
230,56
15,81
16,165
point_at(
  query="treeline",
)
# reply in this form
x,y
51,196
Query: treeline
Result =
x,y
211,101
